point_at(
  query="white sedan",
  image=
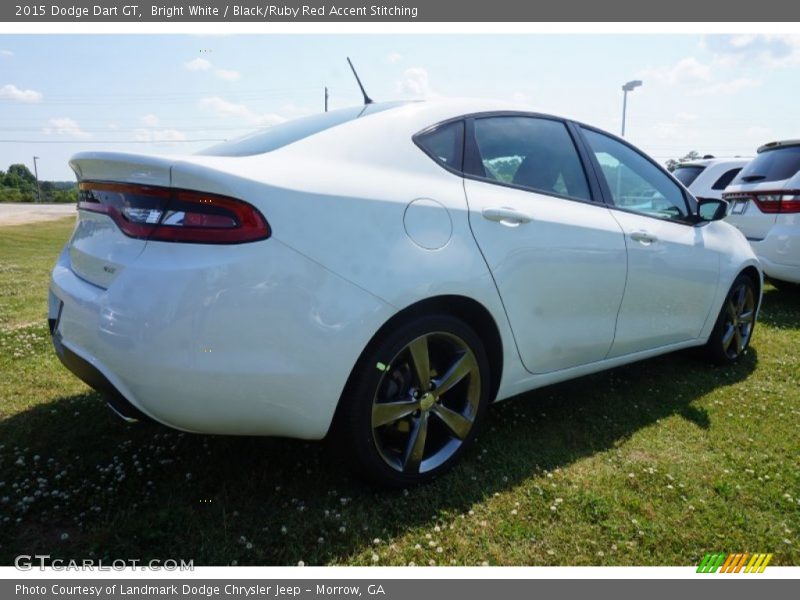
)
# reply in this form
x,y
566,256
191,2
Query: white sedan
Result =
x,y
383,273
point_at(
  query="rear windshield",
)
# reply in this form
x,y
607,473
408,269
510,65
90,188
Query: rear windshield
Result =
x,y
772,165
686,175
283,134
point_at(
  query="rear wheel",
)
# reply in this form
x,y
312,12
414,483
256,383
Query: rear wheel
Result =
x,y
734,326
415,401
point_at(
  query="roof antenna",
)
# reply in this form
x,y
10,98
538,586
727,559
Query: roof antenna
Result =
x,y
367,99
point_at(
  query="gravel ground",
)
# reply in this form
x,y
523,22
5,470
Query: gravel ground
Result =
x,y
19,214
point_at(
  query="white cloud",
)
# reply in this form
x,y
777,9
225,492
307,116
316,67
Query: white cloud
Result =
x,y
685,72
150,120
726,87
226,109
394,57
202,64
521,98
198,64
12,92
158,135
771,51
416,83
65,126
667,131
227,74
686,116
758,131
6,54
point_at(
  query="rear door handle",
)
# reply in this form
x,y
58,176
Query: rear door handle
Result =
x,y
644,237
506,216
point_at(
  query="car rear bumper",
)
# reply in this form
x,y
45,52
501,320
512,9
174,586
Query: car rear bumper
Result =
x,y
214,340
779,252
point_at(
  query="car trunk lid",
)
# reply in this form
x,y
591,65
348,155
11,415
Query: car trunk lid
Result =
x,y
99,250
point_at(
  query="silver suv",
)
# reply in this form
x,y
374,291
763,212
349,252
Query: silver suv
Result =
x,y
765,205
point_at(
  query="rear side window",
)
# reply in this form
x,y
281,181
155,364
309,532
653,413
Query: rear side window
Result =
x,y
283,134
772,165
445,144
687,175
531,153
725,180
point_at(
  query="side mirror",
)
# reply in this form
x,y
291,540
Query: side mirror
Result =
x,y
711,210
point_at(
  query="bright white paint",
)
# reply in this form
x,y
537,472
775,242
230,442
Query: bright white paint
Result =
x,y
775,238
260,338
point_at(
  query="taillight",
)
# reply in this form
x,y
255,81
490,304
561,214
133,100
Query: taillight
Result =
x,y
172,215
770,202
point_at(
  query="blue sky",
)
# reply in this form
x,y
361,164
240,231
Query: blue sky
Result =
x,y
59,94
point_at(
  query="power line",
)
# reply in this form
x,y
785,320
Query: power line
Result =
x,y
111,141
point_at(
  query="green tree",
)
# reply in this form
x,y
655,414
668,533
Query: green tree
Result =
x,y
672,163
23,172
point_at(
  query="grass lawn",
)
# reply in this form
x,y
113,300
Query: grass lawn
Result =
x,y
655,463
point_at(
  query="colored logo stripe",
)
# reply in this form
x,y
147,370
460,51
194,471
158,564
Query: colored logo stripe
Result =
x,y
734,563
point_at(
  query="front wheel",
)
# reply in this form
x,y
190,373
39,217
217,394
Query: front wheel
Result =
x,y
415,401
734,327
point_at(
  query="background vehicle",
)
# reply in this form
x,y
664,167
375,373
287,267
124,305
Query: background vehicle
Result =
x,y
708,177
385,272
765,207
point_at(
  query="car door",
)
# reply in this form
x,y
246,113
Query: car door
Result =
x,y
672,275
557,256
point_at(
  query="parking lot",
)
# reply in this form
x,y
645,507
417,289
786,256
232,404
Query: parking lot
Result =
x,y
18,214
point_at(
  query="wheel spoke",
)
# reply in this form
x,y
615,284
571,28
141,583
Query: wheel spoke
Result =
x,y
731,309
726,339
737,335
746,317
455,422
458,370
384,413
741,296
421,360
416,445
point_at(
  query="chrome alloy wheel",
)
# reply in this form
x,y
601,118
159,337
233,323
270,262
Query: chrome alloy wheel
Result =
x,y
426,403
739,319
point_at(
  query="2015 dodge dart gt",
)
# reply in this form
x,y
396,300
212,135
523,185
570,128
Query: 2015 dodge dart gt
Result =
x,y
384,273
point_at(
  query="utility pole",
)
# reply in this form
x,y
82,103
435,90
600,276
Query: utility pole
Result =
x,y
326,98
36,172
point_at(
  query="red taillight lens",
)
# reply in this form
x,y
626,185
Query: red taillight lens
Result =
x,y
770,202
171,215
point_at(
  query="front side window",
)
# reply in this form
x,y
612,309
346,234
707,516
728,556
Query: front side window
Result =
x,y
636,184
529,152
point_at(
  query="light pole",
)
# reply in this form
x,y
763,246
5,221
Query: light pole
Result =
x,y
628,87
38,189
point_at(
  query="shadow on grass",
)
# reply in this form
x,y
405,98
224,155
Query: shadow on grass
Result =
x,y
147,492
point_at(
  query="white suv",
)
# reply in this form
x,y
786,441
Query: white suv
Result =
x,y
765,206
707,178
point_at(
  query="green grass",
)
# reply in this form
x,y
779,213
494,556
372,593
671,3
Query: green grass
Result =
x,y
655,463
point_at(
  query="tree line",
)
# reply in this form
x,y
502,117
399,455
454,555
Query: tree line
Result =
x,y
18,184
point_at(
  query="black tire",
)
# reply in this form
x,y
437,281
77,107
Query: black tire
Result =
x,y
734,327
386,376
